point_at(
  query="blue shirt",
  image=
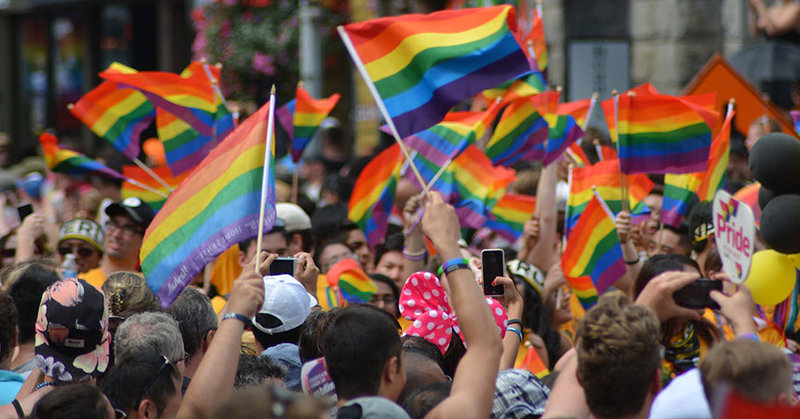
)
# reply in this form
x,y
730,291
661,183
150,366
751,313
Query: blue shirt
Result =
x,y
10,383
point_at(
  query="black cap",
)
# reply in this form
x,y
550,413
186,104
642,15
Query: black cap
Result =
x,y
134,208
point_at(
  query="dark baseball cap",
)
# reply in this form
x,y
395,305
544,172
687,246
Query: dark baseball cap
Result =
x,y
134,208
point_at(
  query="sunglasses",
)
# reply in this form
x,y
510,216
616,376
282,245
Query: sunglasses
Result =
x,y
8,253
164,365
83,251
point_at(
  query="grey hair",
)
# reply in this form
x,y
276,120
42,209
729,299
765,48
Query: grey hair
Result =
x,y
195,316
148,333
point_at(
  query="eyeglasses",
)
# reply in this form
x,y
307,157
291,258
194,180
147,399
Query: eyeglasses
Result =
x,y
386,299
83,251
129,229
120,414
164,365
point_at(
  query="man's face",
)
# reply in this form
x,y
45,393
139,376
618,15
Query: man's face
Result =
x,y
86,256
357,242
123,238
332,254
384,298
272,243
666,242
391,265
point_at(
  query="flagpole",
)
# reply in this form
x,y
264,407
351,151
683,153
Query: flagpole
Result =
x,y
214,83
294,182
592,103
378,101
598,149
145,187
265,175
152,174
622,185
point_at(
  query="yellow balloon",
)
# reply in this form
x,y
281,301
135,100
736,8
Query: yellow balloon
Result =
x,y
772,277
795,259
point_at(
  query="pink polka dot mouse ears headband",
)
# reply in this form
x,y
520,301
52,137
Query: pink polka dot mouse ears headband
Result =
x,y
424,302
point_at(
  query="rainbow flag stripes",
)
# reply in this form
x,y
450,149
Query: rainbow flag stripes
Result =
x,y
154,200
717,171
593,249
70,162
679,190
216,206
353,284
661,134
519,131
478,186
584,289
562,135
373,194
423,65
447,139
509,214
308,115
118,115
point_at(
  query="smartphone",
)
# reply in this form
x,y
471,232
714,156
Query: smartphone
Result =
x,y
698,294
494,265
24,210
283,266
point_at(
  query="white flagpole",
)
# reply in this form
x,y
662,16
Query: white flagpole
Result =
x,y
378,101
145,187
265,175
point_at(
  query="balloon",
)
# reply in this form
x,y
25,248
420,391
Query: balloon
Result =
x,y
773,160
764,196
780,223
771,278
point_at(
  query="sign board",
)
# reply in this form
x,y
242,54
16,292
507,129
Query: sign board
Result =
x,y
598,66
734,232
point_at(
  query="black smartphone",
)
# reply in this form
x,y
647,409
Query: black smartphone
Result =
x,y
697,294
24,210
494,265
283,266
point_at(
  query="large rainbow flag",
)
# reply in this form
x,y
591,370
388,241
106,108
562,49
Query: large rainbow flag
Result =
x,y
608,107
216,206
508,216
519,131
70,162
604,177
714,178
117,115
152,199
308,114
593,248
661,134
373,194
423,65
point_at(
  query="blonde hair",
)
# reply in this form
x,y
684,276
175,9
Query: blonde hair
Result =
x,y
127,294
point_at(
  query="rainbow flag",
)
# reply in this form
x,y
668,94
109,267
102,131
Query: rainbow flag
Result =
x,y
189,98
70,162
285,116
478,185
525,86
593,249
679,191
308,115
608,107
509,214
661,134
584,289
715,176
519,131
216,206
749,195
184,146
536,50
353,283
447,139
578,156
560,136
604,177
579,110
136,173
423,65
373,194
117,115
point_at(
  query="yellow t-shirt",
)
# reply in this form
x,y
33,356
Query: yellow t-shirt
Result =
x,y
95,277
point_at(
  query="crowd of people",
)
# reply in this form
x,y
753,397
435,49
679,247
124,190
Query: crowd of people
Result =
x,y
426,343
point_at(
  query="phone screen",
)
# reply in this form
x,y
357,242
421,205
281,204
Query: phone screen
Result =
x,y
282,266
698,294
24,211
493,262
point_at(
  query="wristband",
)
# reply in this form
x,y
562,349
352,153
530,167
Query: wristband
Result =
x,y
514,321
453,265
414,256
241,317
748,336
515,330
632,262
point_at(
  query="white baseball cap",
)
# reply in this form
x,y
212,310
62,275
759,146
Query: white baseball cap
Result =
x,y
286,305
294,218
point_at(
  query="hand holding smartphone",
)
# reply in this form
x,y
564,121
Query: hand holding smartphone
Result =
x,y
283,266
698,294
23,211
494,265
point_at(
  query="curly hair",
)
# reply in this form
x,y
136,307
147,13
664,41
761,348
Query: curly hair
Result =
x,y
618,355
